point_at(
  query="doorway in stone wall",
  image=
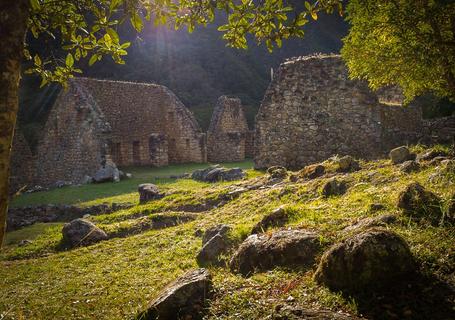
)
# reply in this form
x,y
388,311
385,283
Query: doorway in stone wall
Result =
x,y
136,152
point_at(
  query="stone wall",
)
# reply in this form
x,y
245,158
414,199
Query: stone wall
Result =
x,y
150,125
440,130
22,164
74,143
228,132
311,111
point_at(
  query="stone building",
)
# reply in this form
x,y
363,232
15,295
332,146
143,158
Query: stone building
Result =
x,y
132,123
228,136
312,110
22,163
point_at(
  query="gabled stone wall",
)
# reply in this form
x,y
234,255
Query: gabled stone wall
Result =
x,y
138,112
22,163
75,140
228,132
312,110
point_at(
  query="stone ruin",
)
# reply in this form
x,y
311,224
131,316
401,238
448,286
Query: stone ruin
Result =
x,y
312,110
229,138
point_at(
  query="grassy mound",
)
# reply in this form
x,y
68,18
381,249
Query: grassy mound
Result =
x,y
115,279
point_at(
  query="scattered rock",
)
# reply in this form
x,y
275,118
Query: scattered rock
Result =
x,y
128,175
148,192
185,298
36,188
370,222
431,154
217,173
107,173
24,243
401,154
61,184
221,229
299,313
285,248
333,187
277,172
420,203
347,164
212,250
277,218
81,232
437,160
87,180
312,171
370,260
409,166
376,207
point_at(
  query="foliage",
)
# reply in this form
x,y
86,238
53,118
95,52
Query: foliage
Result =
x,y
88,29
404,42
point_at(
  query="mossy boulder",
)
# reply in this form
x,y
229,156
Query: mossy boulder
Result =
x,y
347,164
370,260
312,171
419,203
334,187
277,172
401,154
81,232
284,248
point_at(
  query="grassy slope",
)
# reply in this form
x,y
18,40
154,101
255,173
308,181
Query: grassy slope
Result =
x,y
116,278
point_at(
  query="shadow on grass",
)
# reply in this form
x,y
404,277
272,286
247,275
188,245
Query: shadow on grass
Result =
x,y
420,297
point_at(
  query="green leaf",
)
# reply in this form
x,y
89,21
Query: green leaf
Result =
x,y
93,59
136,22
69,60
107,40
314,15
37,60
43,82
125,45
35,4
113,34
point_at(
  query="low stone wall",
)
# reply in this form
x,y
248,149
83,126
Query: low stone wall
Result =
x,y
26,216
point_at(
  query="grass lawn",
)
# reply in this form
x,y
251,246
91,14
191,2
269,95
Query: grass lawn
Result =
x,y
123,191
117,278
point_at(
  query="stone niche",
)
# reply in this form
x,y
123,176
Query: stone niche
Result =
x,y
228,137
312,110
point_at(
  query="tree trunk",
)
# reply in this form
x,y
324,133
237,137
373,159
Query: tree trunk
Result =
x,y
13,26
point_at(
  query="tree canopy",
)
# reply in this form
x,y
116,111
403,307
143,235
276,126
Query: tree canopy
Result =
x,y
405,42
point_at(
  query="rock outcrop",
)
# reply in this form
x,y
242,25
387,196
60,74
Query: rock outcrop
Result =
x,y
185,298
372,259
148,192
285,248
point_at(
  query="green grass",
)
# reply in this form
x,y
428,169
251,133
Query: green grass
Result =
x,y
117,278
123,191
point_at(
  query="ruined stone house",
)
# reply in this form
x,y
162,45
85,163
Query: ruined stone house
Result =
x,y
312,110
132,123
228,137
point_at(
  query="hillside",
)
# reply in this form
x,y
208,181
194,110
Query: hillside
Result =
x,y
117,278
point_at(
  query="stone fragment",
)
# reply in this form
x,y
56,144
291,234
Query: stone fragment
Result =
x,y
107,173
277,218
284,248
370,222
347,164
185,298
81,232
409,166
277,172
212,249
148,192
431,154
370,260
420,203
334,187
437,160
221,229
313,171
217,173
401,154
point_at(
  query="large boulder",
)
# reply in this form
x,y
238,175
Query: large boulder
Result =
x,y
334,187
401,154
419,203
185,298
276,218
372,259
81,232
148,192
284,248
107,173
